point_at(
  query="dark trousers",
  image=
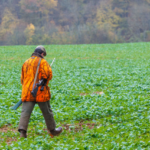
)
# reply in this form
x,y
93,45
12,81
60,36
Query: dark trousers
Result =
x,y
27,108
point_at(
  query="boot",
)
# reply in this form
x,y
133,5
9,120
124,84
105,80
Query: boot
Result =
x,y
23,133
55,132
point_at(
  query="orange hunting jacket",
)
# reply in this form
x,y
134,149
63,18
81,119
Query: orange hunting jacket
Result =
x,y
27,79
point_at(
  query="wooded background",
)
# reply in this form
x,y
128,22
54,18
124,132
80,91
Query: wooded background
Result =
x,y
26,22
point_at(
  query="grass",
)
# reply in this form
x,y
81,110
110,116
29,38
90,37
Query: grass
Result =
x,y
118,118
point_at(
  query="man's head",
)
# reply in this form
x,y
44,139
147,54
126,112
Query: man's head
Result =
x,y
40,49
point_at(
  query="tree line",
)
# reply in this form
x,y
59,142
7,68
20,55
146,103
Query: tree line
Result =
x,y
26,22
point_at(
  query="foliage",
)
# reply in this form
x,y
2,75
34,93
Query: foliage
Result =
x,y
74,22
8,24
105,15
36,6
29,32
120,116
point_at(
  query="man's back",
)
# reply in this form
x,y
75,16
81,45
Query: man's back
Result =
x,y
27,79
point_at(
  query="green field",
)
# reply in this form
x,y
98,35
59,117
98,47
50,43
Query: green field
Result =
x,y
100,96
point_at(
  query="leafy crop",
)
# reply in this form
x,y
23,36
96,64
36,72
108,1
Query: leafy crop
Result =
x,y
100,95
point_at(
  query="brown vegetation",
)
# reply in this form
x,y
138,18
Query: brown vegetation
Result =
x,y
73,22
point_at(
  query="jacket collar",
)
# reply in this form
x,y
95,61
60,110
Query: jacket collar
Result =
x,y
36,54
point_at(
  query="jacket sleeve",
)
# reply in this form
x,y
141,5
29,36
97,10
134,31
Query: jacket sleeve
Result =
x,y
46,70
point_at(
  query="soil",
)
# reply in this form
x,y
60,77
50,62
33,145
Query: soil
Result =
x,y
69,127
97,92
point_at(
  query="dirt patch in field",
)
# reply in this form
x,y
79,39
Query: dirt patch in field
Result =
x,y
97,92
83,94
10,140
69,127
83,57
80,126
2,83
7,128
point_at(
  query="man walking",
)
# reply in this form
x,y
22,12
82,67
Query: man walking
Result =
x,y
33,70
